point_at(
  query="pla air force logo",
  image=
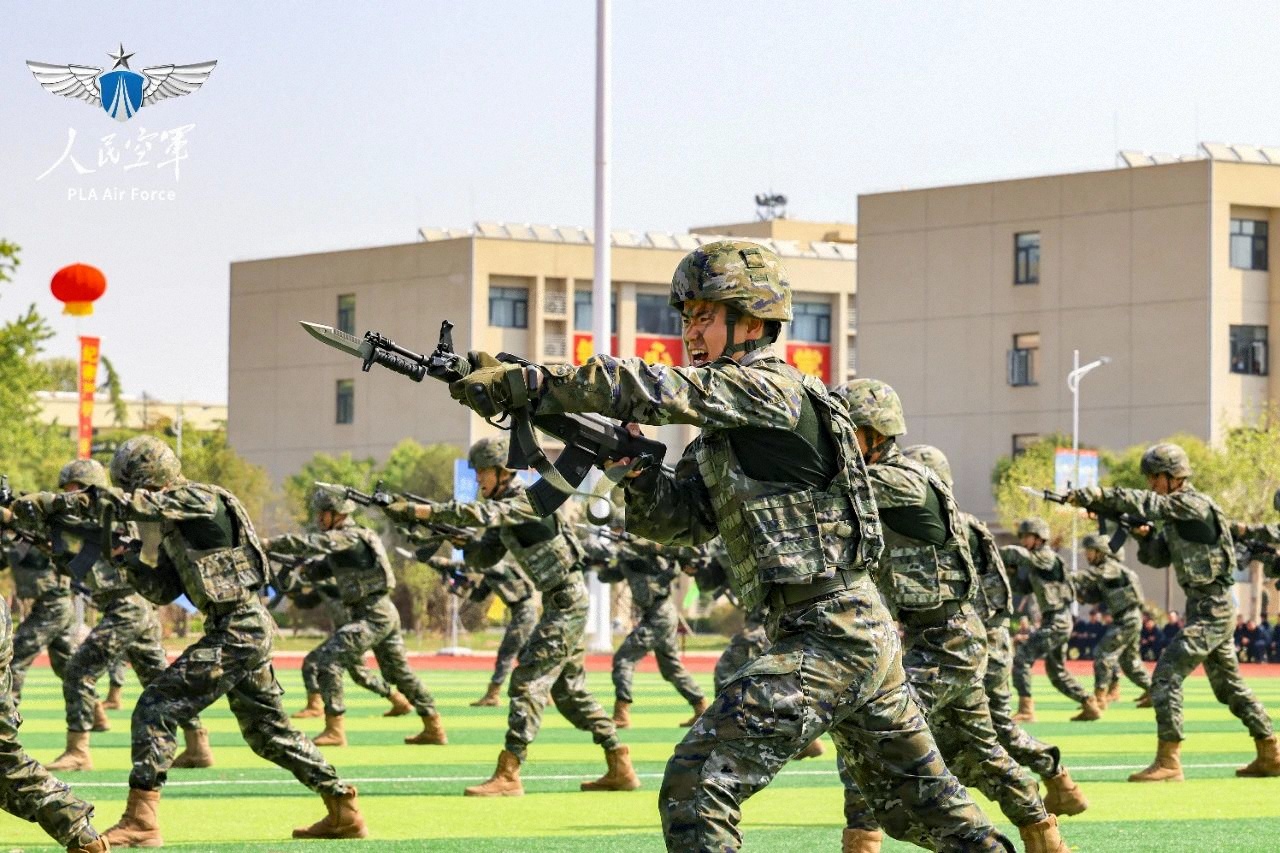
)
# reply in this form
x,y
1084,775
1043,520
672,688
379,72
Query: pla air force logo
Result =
x,y
121,91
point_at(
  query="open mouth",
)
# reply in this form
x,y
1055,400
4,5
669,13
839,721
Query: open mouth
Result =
x,y
698,356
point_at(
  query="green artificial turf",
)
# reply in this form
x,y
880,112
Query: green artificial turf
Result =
x,y
411,796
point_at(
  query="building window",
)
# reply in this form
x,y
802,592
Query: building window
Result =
x,y
1026,258
347,313
582,311
346,402
509,307
1249,350
655,316
1248,244
1022,441
812,322
1024,359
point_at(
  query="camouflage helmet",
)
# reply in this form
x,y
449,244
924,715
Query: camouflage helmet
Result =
x,y
747,277
1035,527
1095,542
930,457
488,453
872,403
144,461
1166,459
326,497
86,472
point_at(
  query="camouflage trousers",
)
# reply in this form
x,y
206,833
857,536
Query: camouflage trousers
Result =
x,y
552,667
27,790
48,625
744,647
1119,646
129,628
834,666
1206,638
362,675
375,626
116,672
946,662
522,617
232,659
1048,642
1039,757
656,631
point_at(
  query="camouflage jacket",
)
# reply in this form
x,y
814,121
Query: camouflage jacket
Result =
x,y
1110,583
354,557
1041,572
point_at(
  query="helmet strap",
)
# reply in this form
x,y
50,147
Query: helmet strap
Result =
x,y
730,348
882,446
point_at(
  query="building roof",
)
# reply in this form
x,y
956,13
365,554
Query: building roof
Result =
x,y
631,239
1227,153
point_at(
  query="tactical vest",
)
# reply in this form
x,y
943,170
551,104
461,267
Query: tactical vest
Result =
x,y
1056,592
104,578
550,562
361,572
778,532
995,596
1118,586
34,575
508,582
1209,557
918,575
218,560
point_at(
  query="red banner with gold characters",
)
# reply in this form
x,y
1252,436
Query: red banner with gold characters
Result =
x,y
813,359
584,346
660,349
88,384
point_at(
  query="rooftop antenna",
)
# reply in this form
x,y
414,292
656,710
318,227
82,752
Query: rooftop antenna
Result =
x,y
771,206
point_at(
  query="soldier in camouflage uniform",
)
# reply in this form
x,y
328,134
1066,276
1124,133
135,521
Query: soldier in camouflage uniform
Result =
x,y
553,663
1115,586
128,628
197,540
508,581
1036,568
777,473
649,573
1191,534
307,592
357,561
26,789
927,575
49,619
994,603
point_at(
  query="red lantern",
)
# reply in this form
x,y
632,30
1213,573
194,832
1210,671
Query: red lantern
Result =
x,y
77,286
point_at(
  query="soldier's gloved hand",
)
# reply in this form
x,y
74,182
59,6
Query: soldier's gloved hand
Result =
x,y
491,388
407,511
33,509
1084,497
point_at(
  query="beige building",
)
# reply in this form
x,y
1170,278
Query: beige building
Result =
x,y
62,408
519,288
972,299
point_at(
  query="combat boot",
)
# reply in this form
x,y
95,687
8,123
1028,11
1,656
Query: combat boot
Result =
x,y
334,734
620,775
1103,698
1062,795
1026,710
314,708
1266,764
1043,837
432,733
1089,710
197,753
97,845
100,721
505,781
399,705
76,756
1144,701
343,820
113,702
490,697
698,710
1113,695
1167,766
861,841
621,714
138,826
813,750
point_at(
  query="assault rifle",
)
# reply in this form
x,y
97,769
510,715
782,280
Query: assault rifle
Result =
x,y
590,440
289,577
606,533
455,579
382,498
1124,522
78,564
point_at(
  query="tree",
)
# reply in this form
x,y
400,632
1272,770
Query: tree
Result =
x,y
343,470
111,384
422,470
1033,467
61,374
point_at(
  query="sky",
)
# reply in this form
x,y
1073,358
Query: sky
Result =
x,y
332,125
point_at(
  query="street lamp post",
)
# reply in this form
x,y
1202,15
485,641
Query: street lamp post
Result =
x,y
1073,383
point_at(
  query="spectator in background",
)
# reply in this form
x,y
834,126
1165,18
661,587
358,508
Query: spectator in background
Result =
x,y
1149,642
1265,639
1241,639
1170,629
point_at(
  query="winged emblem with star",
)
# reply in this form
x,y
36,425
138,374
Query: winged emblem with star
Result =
x,y
121,91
